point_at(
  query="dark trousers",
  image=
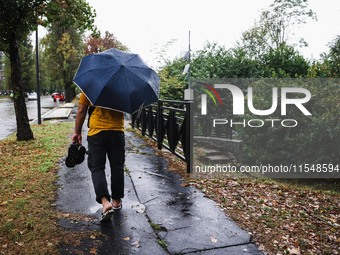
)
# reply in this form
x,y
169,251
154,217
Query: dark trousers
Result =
x,y
112,145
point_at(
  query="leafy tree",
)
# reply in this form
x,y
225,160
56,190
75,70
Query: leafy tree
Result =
x,y
333,57
282,62
274,29
70,56
94,44
50,79
67,32
17,20
172,81
329,65
49,76
210,62
63,48
214,61
28,66
319,69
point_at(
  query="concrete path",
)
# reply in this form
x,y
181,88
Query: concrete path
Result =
x,y
159,215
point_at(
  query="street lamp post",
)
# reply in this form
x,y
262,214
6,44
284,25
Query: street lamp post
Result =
x,y
37,74
188,93
189,71
189,97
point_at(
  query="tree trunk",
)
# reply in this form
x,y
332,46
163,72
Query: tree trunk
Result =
x,y
24,132
70,91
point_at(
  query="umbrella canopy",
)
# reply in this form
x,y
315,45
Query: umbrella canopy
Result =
x,y
117,80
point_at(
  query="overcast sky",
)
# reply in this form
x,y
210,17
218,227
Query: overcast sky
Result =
x,y
145,26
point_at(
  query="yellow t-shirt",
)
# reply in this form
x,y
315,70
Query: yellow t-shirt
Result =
x,y
103,119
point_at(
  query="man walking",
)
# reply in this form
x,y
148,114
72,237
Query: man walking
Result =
x,y
105,139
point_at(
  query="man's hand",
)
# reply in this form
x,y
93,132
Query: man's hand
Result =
x,y
77,138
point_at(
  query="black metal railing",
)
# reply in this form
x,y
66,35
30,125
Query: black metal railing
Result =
x,y
169,123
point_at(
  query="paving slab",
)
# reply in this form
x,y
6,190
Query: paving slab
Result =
x,y
57,113
67,105
249,249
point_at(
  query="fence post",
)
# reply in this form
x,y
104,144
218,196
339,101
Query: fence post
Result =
x,y
189,134
151,123
133,120
144,121
159,124
169,129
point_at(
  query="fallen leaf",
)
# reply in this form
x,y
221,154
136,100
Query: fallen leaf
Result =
x,y
136,244
93,251
294,251
213,239
185,184
141,210
126,238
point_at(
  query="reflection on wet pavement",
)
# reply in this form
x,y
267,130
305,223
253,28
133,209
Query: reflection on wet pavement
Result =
x,y
7,113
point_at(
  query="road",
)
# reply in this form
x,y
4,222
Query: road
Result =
x,y
7,113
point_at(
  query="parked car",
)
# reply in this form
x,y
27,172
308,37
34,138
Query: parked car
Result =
x,y
32,96
54,93
55,96
5,93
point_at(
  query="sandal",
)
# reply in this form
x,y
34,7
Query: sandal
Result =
x,y
106,215
120,205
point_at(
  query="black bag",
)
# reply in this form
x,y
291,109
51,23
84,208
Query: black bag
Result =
x,y
76,155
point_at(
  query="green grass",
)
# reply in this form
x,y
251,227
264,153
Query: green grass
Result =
x,y
27,190
163,244
156,227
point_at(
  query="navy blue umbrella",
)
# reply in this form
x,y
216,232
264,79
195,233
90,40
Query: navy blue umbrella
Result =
x,y
117,80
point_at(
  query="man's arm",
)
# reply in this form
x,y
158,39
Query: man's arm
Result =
x,y
81,115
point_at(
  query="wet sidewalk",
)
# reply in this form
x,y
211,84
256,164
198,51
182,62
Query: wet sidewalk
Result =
x,y
159,215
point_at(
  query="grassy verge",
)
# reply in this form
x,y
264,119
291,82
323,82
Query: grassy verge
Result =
x,y
27,191
283,217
